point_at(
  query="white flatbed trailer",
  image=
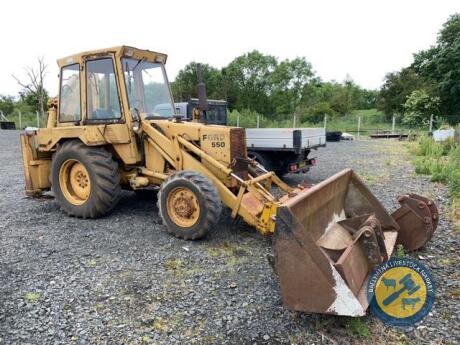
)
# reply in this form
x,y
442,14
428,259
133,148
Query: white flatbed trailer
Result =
x,y
284,150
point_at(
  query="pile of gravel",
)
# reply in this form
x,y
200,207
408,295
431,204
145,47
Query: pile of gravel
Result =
x,y
123,279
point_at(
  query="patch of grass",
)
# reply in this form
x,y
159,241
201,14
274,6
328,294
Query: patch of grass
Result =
x,y
400,251
92,263
174,264
27,119
455,214
99,306
372,179
455,293
393,149
230,253
447,262
33,297
358,327
441,161
225,249
144,340
163,325
160,325
401,339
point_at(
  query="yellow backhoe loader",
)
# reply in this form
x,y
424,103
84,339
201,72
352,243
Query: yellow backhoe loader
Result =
x,y
114,126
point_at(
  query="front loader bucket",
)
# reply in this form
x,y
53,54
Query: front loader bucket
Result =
x,y
327,240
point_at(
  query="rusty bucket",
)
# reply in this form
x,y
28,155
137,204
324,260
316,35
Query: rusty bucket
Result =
x,y
329,237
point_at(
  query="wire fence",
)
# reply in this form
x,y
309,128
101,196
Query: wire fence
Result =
x,y
354,123
25,119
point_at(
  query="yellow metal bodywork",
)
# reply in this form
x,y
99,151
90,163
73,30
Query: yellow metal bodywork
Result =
x,y
36,170
148,151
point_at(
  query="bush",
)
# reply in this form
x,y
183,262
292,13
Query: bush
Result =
x,y
419,106
315,114
441,161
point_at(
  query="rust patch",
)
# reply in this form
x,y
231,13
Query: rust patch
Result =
x,y
418,218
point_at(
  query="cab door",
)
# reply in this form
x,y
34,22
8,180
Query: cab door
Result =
x,y
103,106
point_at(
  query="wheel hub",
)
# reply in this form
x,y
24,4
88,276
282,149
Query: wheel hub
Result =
x,y
183,207
75,182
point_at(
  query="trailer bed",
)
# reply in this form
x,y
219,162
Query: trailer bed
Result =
x,y
285,139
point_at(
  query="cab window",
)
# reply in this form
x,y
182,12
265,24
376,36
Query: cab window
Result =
x,y
102,93
69,107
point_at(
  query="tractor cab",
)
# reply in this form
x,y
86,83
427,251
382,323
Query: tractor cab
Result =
x,y
115,85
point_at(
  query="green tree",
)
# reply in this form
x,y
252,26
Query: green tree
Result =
x,y
450,31
249,82
419,107
185,85
6,104
31,101
255,82
440,65
33,85
316,112
289,81
365,99
395,90
334,98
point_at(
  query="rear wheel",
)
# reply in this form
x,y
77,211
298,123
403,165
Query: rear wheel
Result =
x,y
266,163
189,205
85,180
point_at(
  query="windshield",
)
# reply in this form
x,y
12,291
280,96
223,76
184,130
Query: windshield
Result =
x,y
147,88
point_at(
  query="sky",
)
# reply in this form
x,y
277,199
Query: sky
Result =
x,y
363,39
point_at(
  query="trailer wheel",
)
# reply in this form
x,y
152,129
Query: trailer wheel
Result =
x,y
85,180
260,158
266,163
189,205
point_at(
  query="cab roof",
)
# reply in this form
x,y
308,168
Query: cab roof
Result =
x,y
120,51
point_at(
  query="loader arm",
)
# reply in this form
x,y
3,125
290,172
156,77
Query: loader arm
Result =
x,y
252,201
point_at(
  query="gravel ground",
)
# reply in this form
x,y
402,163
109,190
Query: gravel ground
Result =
x,y
123,280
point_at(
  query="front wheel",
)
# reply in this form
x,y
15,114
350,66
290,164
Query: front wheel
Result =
x,y
189,205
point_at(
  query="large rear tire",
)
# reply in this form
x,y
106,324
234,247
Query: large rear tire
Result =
x,y
85,180
189,205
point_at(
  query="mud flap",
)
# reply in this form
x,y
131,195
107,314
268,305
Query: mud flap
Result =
x,y
327,240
